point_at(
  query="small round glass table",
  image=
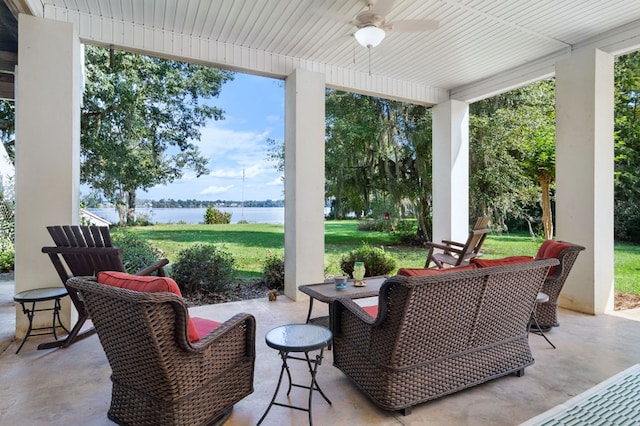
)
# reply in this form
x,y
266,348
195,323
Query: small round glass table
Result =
x,y
28,300
298,338
534,326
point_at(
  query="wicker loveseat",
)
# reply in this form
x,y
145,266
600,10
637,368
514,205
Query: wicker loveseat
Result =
x,y
159,377
438,334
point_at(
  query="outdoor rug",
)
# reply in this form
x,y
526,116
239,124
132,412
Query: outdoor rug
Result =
x,y
616,401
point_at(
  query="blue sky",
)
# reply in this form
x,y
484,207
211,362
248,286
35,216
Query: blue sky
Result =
x,y
254,112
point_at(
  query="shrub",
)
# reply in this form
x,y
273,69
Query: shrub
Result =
x,y
142,220
7,260
204,267
273,272
137,253
376,261
214,216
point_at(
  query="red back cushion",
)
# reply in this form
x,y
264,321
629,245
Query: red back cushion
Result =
x,y
485,263
146,284
417,272
551,249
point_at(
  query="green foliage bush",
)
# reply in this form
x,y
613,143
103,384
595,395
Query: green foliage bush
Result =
x,y
7,259
376,261
204,267
142,220
627,223
273,272
137,253
214,216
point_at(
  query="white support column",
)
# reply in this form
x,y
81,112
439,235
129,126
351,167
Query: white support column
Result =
x,y
450,171
47,149
304,180
584,176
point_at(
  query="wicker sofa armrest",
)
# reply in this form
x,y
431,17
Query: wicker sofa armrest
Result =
x,y
241,324
352,323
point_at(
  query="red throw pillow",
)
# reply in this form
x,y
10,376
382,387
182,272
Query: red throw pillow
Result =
x,y
146,284
485,263
418,272
551,249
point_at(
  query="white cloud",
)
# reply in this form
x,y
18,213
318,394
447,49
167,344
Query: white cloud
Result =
x,y
213,190
217,141
250,171
276,182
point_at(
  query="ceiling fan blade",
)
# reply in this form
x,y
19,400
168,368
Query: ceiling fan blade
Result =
x,y
413,25
381,7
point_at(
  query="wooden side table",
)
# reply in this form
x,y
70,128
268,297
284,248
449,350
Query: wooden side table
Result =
x,y
327,293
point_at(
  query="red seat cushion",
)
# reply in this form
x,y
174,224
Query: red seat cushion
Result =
x,y
485,263
551,249
203,326
147,284
371,310
417,272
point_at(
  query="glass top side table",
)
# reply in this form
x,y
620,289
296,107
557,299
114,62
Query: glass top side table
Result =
x,y
298,338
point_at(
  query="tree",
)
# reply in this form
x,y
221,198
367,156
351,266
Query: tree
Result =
x,y
378,152
537,118
627,147
141,120
512,160
7,128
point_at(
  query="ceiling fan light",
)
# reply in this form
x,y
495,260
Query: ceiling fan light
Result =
x,y
370,36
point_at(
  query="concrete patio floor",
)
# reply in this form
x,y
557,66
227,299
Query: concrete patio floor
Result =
x,y
71,386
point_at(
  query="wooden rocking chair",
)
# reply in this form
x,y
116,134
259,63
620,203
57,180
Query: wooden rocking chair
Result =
x,y
457,254
85,251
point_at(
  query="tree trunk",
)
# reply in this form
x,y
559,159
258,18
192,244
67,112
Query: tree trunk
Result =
x,y
424,229
547,218
131,210
121,206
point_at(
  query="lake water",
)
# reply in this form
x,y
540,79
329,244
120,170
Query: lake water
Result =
x,y
274,215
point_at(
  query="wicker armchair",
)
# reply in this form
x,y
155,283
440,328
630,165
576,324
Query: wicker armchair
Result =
x,y
438,334
566,253
158,376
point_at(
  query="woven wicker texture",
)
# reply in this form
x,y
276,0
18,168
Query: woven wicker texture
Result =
x,y
438,334
159,378
547,313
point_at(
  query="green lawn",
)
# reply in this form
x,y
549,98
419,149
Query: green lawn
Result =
x,y
250,244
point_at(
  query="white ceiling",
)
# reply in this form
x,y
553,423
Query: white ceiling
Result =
x,y
481,46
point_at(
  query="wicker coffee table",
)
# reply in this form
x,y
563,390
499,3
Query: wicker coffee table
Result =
x,y
327,293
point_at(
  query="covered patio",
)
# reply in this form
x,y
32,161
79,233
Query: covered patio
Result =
x,y
72,386
441,53
479,49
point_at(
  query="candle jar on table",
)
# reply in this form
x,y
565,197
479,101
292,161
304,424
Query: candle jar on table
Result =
x,y
358,271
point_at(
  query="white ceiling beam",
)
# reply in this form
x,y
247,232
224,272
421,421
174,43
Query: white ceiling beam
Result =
x,y
153,41
621,40
509,80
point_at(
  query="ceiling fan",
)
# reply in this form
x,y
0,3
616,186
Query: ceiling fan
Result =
x,y
372,23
